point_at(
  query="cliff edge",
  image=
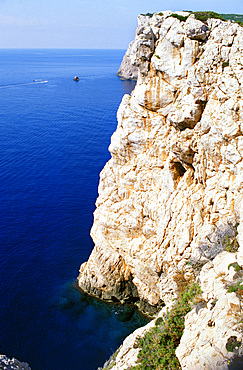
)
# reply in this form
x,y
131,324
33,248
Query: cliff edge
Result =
x,y
170,205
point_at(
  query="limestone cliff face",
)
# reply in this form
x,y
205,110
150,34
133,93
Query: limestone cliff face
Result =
x,y
170,198
127,70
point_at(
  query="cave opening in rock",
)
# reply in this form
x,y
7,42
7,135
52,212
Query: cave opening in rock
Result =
x,y
178,170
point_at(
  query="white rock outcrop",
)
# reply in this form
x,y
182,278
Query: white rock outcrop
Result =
x,y
171,196
13,364
127,70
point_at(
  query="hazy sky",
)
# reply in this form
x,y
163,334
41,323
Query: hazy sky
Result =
x,y
107,24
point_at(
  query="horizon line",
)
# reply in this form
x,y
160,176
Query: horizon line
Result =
x,y
58,48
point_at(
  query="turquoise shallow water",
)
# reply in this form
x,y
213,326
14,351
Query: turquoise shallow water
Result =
x,y
54,138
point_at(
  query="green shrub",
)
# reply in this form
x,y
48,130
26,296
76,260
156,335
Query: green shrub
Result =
x,y
236,287
233,17
225,64
232,343
180,17
201,16
236,266
158,345
230,244
204,16
148,14
159,321
232,289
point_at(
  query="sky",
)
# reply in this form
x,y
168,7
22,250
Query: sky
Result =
x,y
86,24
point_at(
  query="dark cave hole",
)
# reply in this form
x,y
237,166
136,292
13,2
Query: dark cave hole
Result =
x,y
178,169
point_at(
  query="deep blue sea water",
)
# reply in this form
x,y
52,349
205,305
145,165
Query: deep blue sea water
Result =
x,y
53,143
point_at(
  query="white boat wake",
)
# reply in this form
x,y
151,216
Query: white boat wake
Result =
x,y
24,83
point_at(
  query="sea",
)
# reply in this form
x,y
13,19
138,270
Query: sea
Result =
x,y
54,138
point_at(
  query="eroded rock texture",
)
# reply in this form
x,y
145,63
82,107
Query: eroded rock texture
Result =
x,y
172,192
127,70
12,364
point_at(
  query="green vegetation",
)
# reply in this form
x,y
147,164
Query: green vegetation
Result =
x,y
230,244
232,344
148,15
157,56
225,64
203,16
236,266
238,287
237,18
158,345
180,17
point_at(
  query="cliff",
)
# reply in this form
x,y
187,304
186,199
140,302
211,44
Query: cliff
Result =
x,y
170,205
127,70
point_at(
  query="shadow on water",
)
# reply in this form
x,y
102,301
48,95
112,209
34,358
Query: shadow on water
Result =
x,y
98,325
72,301
236,363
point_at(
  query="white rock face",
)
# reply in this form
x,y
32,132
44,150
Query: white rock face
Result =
x,y
172,191
207,330
127,71
13,364
141,47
